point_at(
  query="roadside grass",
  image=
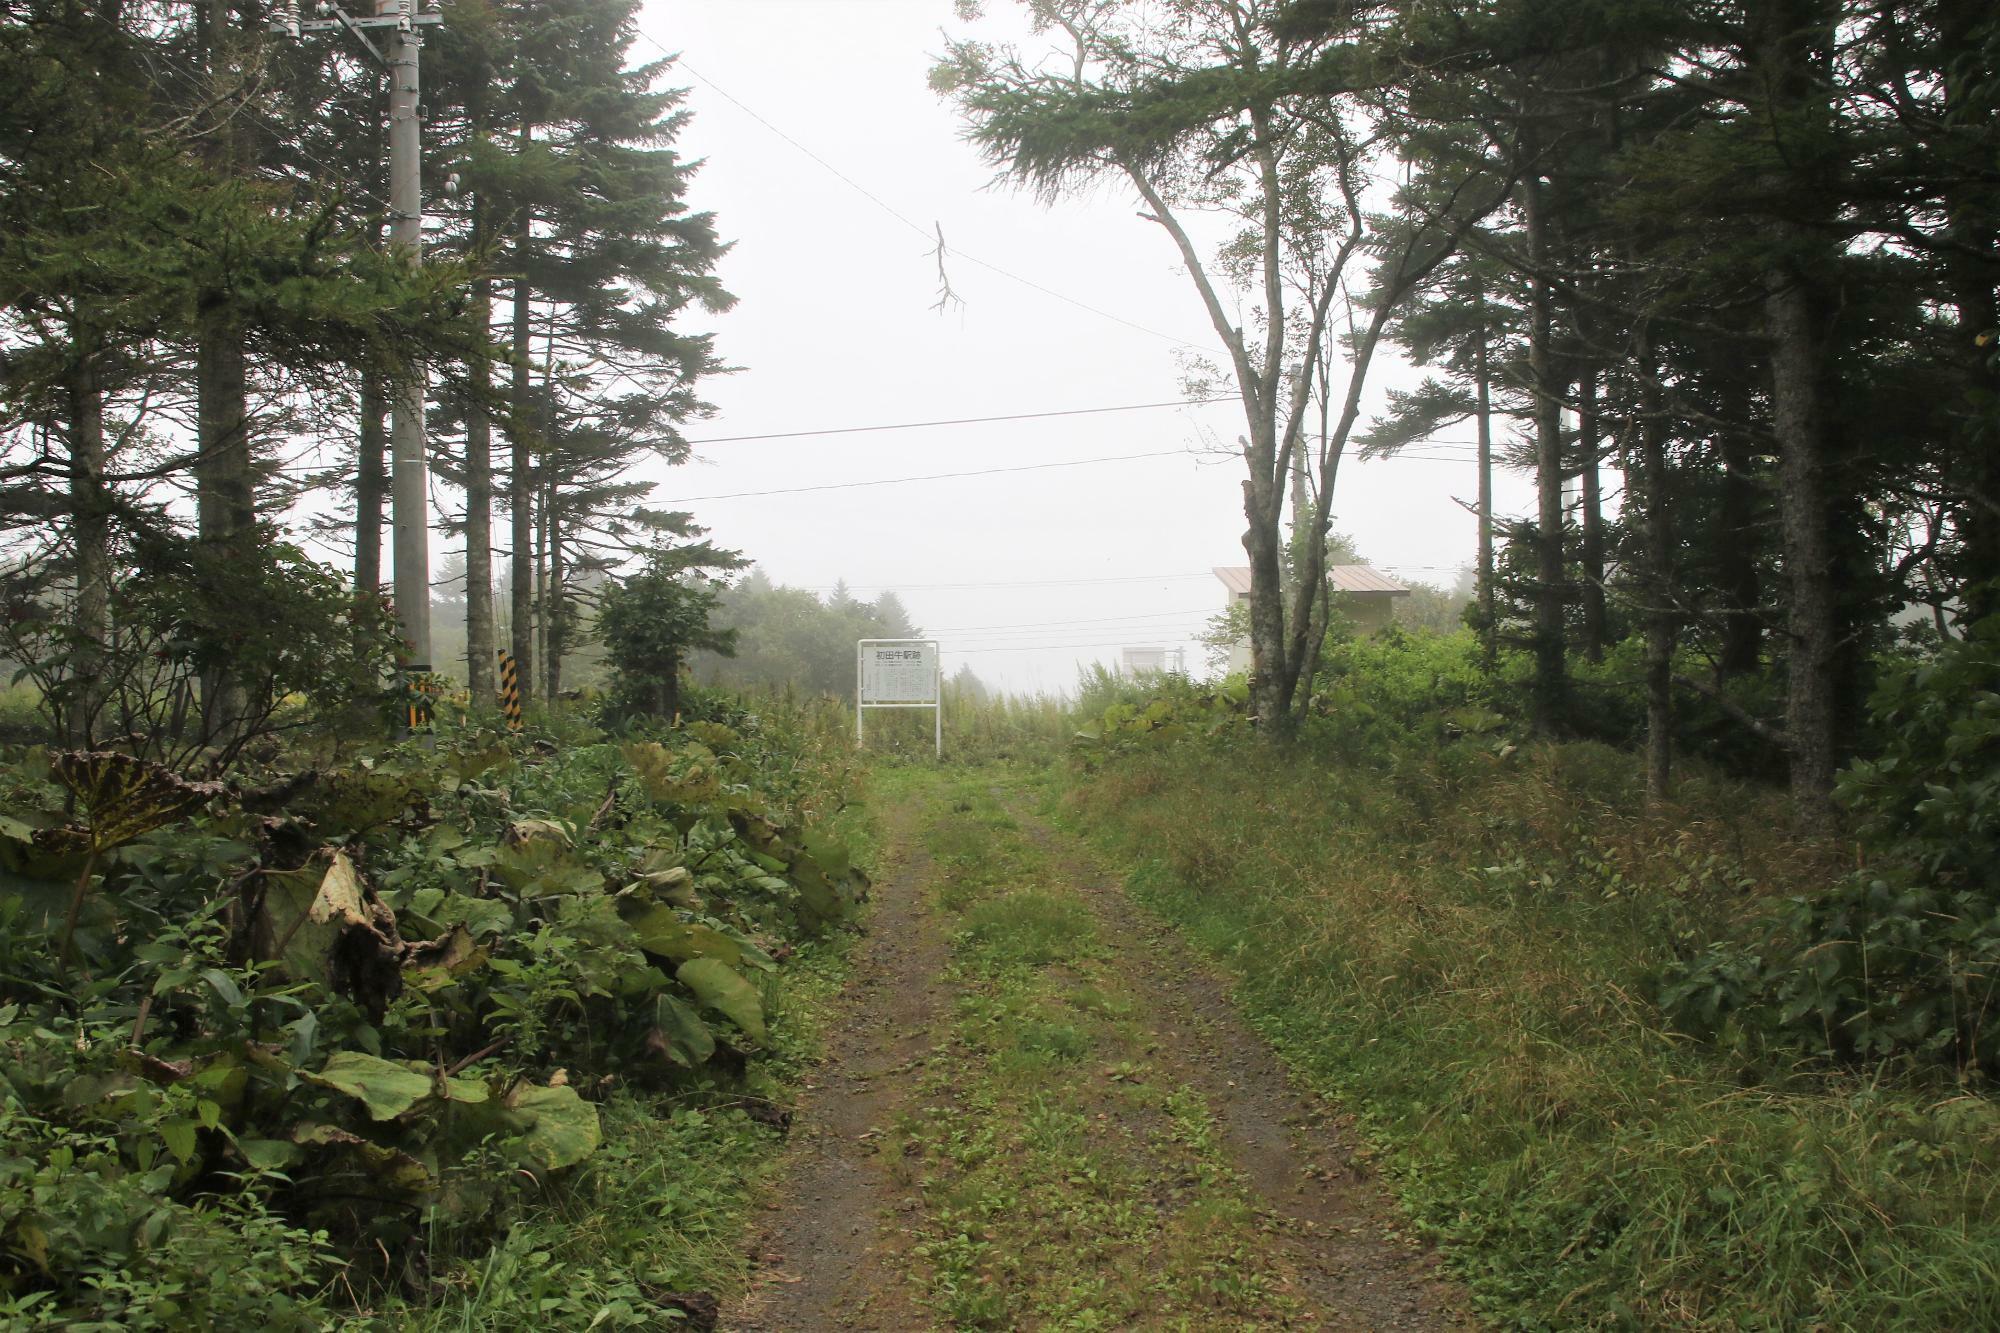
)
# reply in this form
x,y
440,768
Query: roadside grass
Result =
x,y
1067,1183
1463,958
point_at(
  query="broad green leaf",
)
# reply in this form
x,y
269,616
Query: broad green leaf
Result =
x,y
565,1129
722,989
268,1154
682,1032
536,858
388,1089
356,800
661,931
179,1136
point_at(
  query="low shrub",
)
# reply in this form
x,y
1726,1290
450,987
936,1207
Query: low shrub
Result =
x,y
1899,958
345,1024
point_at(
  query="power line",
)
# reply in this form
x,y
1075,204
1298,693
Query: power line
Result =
x,y
931,476
963,421
1040,647
1047,624
1032,583
875,199
979,472
1086,628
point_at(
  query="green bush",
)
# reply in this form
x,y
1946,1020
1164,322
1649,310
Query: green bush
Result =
x,y
353,1020
1902,956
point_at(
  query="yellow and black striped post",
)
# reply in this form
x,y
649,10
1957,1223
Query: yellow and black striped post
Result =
x,y
510,690
423,686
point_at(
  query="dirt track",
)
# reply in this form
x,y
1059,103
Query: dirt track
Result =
x,y
837,1253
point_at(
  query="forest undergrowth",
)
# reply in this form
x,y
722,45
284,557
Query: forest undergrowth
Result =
x,y
1478,946
489,1033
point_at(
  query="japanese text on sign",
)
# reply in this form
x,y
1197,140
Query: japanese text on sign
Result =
x,y
899,673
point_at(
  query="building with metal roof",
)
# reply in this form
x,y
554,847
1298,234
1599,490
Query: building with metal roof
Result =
x,y
1362,593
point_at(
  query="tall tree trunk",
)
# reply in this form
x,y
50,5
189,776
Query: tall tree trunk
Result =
x,y
1263,502
1740,582
672,689
225,489
371,487
225,500
1657,528
1795,323
1489,612
1973,106
90,538
479,645
1787,36
1588,442
1550,694
544,611
558,608
521,474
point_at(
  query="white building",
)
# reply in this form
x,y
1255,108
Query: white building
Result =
x,y
1362,593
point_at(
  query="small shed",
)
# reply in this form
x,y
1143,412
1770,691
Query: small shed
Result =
x,y
1151,660
1362,593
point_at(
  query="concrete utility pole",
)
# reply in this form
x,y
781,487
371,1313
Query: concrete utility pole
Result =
x,y
409,471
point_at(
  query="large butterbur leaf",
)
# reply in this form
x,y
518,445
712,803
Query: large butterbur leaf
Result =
x,y
386,1088
537,858
661,931
388,1171
120,797
356,800
680,1032
724,990
563,1129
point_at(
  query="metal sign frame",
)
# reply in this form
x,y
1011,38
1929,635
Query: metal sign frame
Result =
x,y
936,704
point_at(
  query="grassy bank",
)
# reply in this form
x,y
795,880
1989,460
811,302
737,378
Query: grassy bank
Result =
x,y
1462,948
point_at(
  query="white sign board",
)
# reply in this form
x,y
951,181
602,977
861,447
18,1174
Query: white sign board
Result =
x,y
899,673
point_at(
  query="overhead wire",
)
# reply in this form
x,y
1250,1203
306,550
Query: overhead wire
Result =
x,y
680,62
930,476
1048,624
960,421
1029,583
978,472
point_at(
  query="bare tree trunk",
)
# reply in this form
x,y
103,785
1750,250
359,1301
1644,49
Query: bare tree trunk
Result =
x,y
1588,442
1786,33
371,488
521,475
1795,325
225,490
90,538
1657,528
1741,583
1489,612
225,504
1974,105
558,608
544,610
479,646
672,689
1550,695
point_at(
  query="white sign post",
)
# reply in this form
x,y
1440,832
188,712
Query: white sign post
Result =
x,y
897,673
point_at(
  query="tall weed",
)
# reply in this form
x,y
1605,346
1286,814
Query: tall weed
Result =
x,y
1460,946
